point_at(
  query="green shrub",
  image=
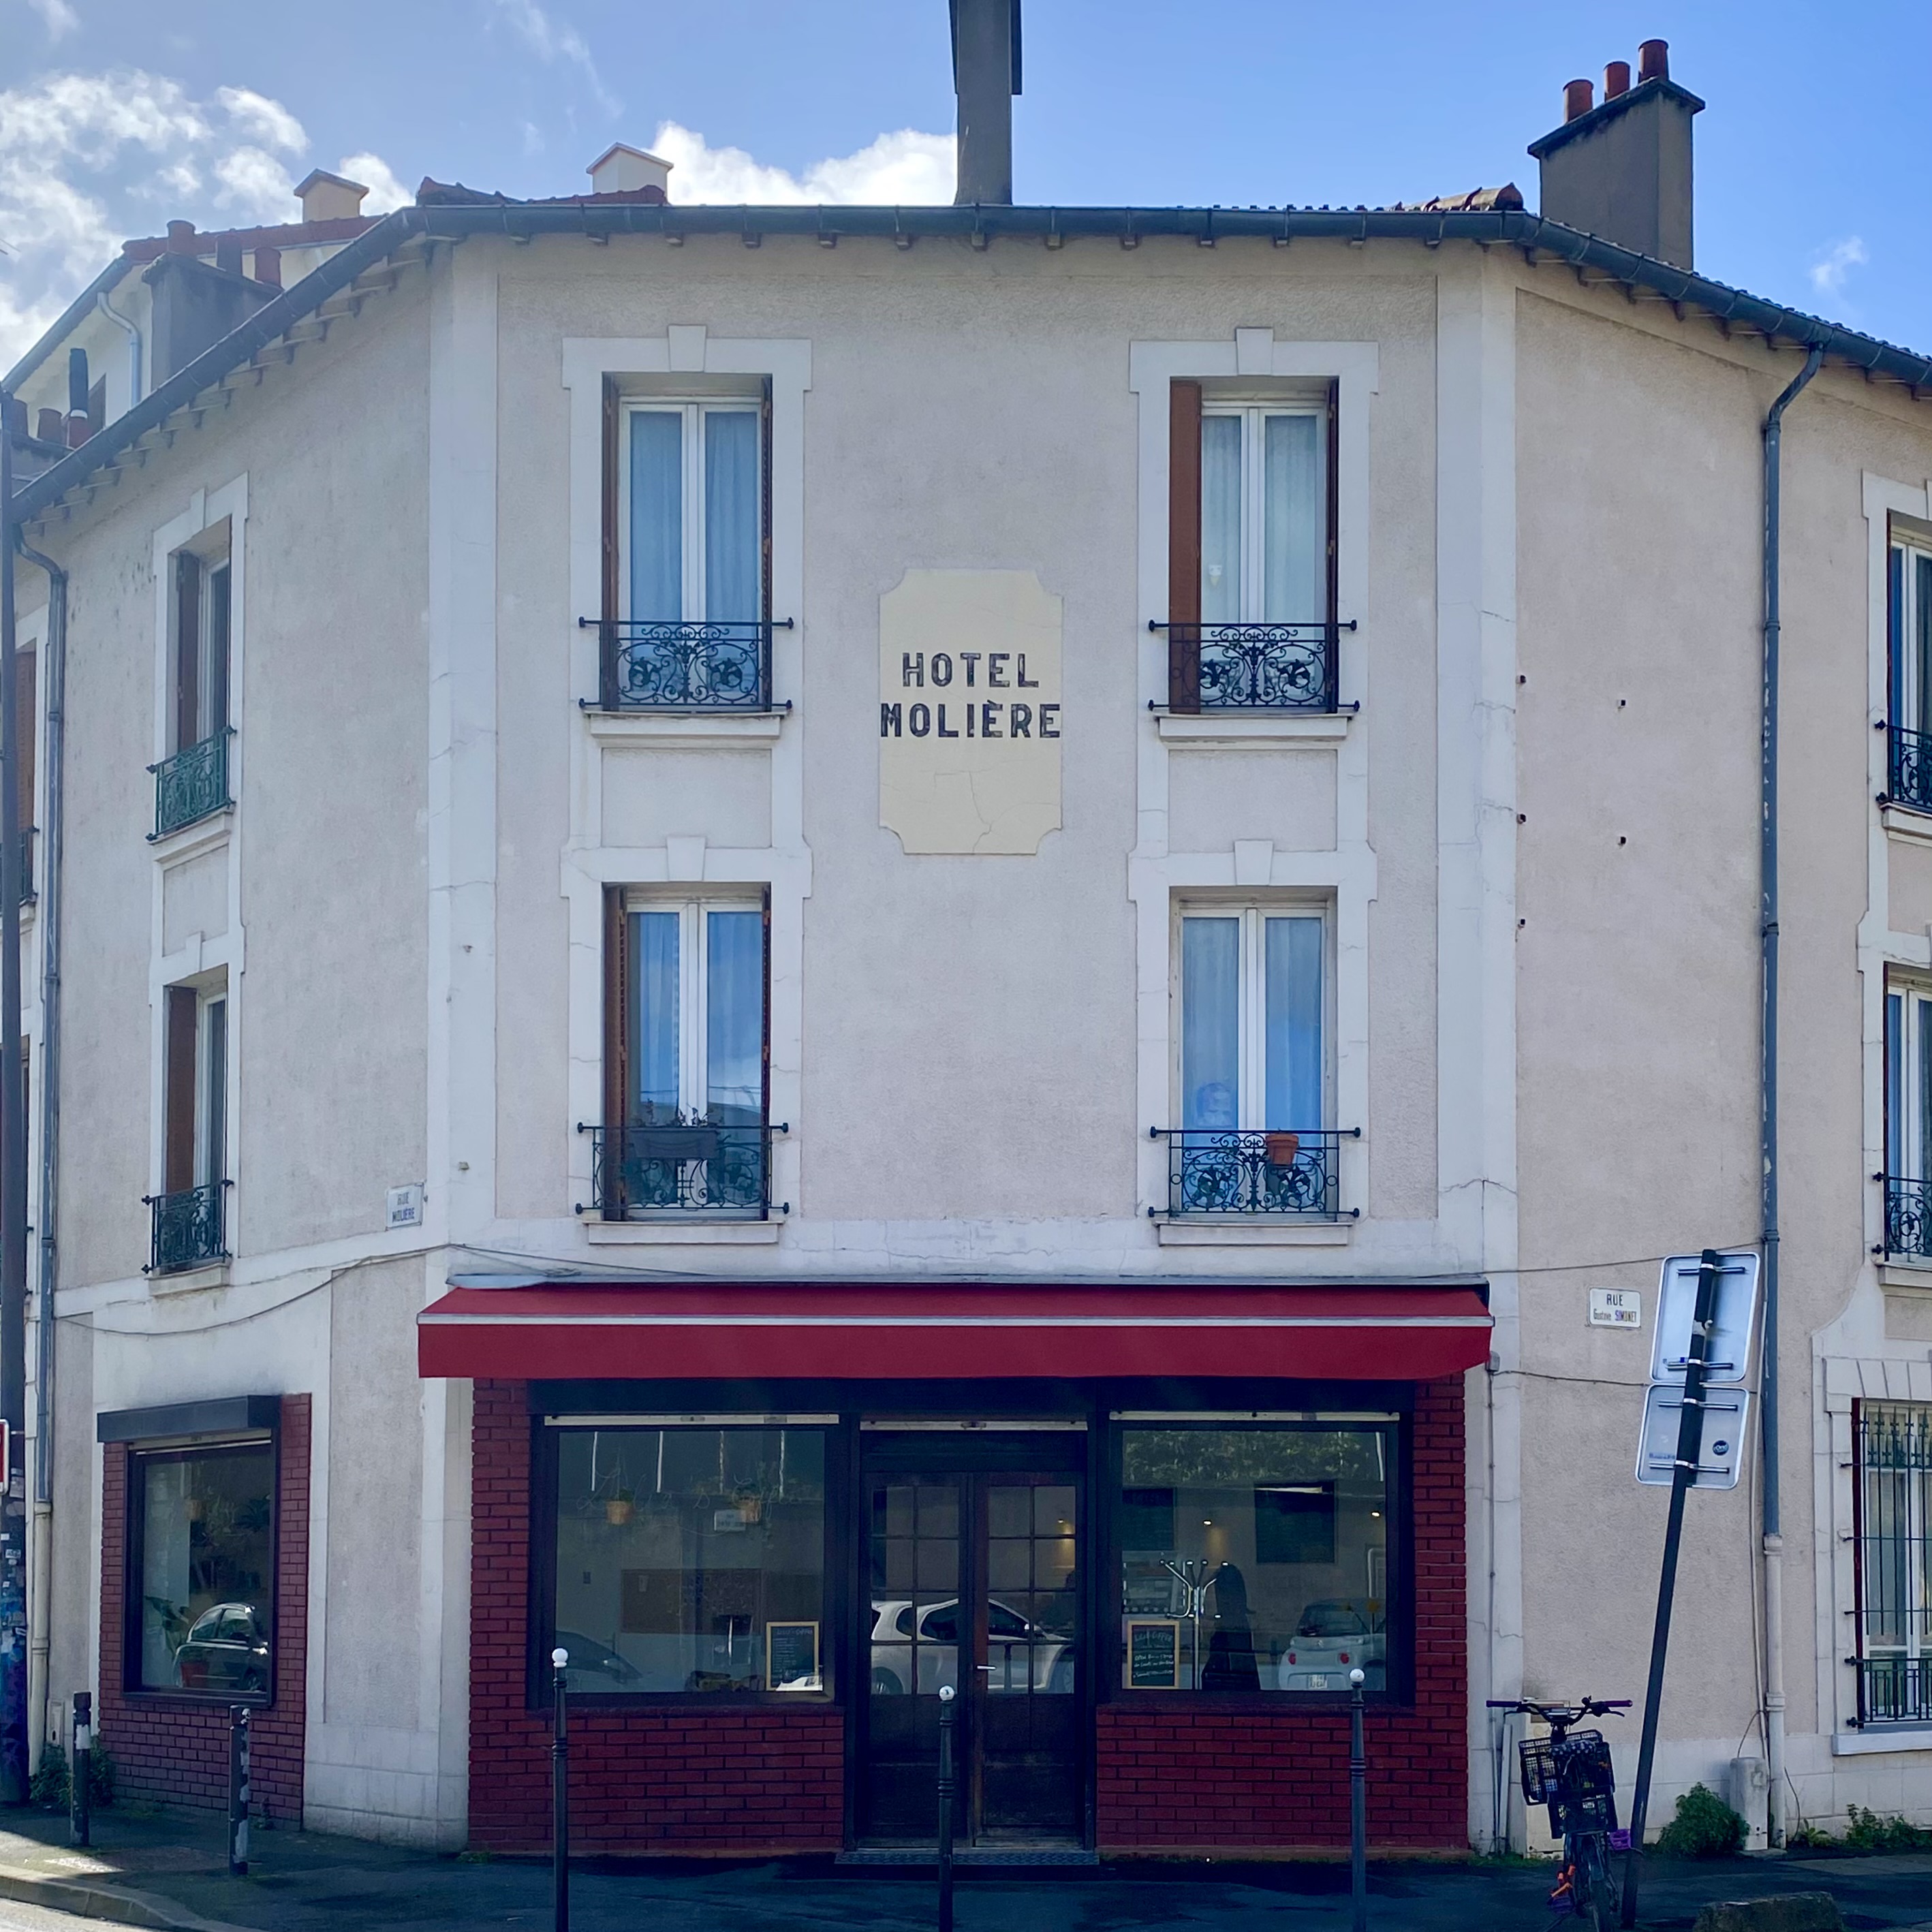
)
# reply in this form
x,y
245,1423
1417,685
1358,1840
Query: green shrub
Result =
x,y
1806,1837
52,1788
1866,1831
1705,1827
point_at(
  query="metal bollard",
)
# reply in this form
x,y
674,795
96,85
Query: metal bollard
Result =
x,y
1358,1808
559,1774
237,1790
945,1808
80,1771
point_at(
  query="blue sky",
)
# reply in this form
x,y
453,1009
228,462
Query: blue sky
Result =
x,y
115,114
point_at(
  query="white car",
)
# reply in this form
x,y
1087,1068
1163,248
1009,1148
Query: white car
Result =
x,y
1010,1641
1333,1637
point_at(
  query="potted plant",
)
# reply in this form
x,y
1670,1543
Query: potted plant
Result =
x,y
617,1507
1281,1149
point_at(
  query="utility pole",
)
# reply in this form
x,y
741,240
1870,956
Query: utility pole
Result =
x,y
14,1746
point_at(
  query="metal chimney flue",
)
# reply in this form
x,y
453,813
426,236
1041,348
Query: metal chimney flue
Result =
x,y
985,77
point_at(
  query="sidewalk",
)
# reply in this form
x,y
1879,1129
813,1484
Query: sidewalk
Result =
x,y
171,1872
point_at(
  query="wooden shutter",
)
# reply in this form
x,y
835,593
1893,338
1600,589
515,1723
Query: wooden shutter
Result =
x,y
1183,546
616,1044
611,604
178,1129
188,650
26,693
220,614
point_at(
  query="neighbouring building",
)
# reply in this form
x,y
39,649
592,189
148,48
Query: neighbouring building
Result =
x,y
830,951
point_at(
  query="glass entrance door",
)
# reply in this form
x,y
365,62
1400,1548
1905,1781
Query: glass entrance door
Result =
x,y
974,1586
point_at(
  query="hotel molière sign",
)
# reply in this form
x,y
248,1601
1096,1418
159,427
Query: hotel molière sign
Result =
x,y
970,712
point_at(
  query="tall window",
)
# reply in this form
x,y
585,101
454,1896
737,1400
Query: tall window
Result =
x,y
691,1558
1255,1559
1894,1546
192,781
189,1212
1252,1001
693,513
685,1066
1263,513
202,1570
1908,1119
1909,602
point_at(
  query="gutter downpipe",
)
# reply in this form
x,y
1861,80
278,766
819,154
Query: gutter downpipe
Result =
x,y
134,335
1769,1424
54,684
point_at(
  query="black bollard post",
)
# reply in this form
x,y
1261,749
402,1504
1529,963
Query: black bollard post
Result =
x,y
237,1790
1358,1808
559,1774
80,1771
946,1809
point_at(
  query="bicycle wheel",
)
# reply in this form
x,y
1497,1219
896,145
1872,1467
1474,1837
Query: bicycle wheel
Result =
x,y
1594,1894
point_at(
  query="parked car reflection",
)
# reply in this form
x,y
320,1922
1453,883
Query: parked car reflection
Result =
x,y
595,1667
1020,1654
226,1649
1332,1637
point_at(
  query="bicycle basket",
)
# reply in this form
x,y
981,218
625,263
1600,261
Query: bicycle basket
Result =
x,y
1583,1792
1538,1755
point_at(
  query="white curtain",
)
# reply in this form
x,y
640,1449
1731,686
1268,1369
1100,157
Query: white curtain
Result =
x,y
734,1023
654,1016
1293,968
1211,1023
1220,519
731,572
1296,590
657,515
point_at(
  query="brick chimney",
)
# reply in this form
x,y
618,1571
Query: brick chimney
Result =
x,y
1620,170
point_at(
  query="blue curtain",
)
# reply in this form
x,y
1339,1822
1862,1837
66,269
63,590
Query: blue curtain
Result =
x,y
657,515
731,572
1296,517
654,1016
734,1024
1220,519
1293,967
1211,1024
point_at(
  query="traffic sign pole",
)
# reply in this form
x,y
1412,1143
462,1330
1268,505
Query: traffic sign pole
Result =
x,y
1690,1441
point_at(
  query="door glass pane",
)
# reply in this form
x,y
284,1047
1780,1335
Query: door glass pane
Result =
x,y
731,494
734,1027
1210,1042
1903,707
1220,519
211,1155
214,678
657,515
1894,1084
1295,511
1295,1058
654,1017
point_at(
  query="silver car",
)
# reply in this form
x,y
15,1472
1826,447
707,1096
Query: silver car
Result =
x,y
1016,1650
1332,1637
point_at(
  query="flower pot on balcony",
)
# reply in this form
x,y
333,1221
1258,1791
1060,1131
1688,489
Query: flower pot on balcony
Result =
x,y
1281,1150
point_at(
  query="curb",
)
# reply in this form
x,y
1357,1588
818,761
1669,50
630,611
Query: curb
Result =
x,y
122,1904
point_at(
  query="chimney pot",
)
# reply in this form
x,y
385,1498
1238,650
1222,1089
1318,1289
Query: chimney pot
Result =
x,y
1616,80
181,238
985,77
1577,99
228,257
78,429
1653,61
268,266
328,197
623,169
50,426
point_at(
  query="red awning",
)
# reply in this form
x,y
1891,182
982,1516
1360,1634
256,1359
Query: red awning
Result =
x,y
938,1329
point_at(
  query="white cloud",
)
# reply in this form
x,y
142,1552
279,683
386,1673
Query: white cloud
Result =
x,y
268,122
907,167
255,188
386,192
550,41
56,16
1829,271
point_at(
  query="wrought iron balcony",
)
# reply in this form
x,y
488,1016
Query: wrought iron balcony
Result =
x,y
670,665
28,834
681,1167
1909,779
1240,1170
192,784
190,1227
1253,667
1908,1217
1895,1690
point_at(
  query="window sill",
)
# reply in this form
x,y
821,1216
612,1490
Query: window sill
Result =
x,y
1234,731
1910,827
181,1281
685,727
198,835
1881,1737
694,1233
1232,1232
1896,1272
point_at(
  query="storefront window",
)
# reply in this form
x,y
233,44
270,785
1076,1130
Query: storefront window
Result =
x,y
204,1521
1255,1559
691,1559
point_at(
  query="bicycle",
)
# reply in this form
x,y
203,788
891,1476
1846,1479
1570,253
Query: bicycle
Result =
x,y
1570,1771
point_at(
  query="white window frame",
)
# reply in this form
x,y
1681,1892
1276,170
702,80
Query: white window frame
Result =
x,y
1916,1612
693,990
1908,1029
1254,911
211,1148
692,411
1253,414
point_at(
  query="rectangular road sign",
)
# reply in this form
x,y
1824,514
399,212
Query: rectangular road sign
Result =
x,y
1728,1354
1727,1411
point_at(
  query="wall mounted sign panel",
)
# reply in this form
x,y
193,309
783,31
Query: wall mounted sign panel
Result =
x,y
1727,1411
1728,1356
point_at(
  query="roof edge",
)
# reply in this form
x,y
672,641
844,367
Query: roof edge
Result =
x,y
1608,110
64,324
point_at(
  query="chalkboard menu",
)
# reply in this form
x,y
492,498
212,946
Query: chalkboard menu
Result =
x,y
791,1657
1154,1653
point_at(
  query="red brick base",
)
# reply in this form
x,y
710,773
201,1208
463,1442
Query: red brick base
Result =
x,y
174,1749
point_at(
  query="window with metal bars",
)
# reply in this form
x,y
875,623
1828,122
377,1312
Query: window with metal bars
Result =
x,y
1894,1506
